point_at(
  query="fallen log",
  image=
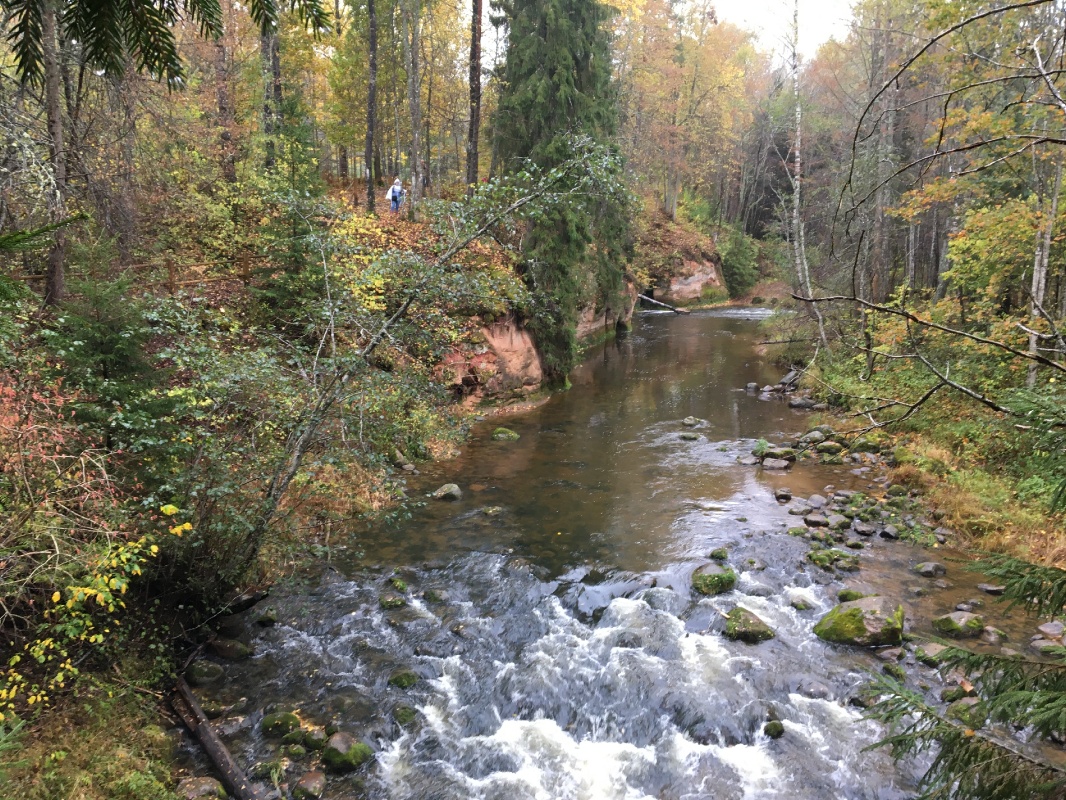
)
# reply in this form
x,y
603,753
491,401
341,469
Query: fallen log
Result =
x,y
675,309
233,778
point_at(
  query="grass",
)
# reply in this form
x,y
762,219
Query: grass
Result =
x,y
101,742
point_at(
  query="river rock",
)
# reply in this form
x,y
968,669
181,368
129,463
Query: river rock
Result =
x,y
959,625
690,436
744,626
751,387
782,494
344,753
782,453
863,528
838,522
713,579
311,786
1044,646
230,649
774,729
775,463
505,435
204,673
869,622
804,403
691,422
990,588
812,437
992,635
448,491
1051,630
890,532
816,521
931,569
816,501
801,510
928,653
829,448
748,460
193,788
279,724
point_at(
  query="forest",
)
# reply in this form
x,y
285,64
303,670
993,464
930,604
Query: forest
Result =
x,y
220,345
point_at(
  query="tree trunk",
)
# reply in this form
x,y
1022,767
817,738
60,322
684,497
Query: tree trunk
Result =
x,y
55,283
799,239
371,103
1040,264
414,101
226,120
270,53
475,98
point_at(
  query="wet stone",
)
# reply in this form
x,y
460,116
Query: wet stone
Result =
x,y
931,569
748,460
744,626
816,501
344,753
774,729
690,436
869,622
448,491
782,494
990,588
691,422
992,635
816,520
713,579
775,464
929,653
800,511
311,786
194,788
838,522
1042,645
890,654
959,625
1051,630
230,649
890,532
204,673
863,528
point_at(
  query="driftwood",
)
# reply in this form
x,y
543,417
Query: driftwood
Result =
x,y
675,309
233,778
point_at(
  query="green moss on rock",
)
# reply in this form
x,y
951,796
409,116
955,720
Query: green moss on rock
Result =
x,y
870,622
404,679
505,435
744,626
279,724
714,579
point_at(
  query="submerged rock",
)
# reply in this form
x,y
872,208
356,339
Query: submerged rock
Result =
x,y
774,729
748,460
344,753
782,494
691,422
204,673
775,463
230,649
279,724
744,626
991,588
311,786
689,436
448,491
713,579
931,569
505,435
193,788
959,625
869,622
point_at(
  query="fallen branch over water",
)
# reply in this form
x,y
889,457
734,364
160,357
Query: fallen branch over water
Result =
x,y
676,310
233,778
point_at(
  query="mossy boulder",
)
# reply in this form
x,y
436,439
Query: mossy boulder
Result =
x,y
719,554
315,739
690,436
959,625
775,729
867,622
311,786
848,595
404,715
505,435
744,626
204,673
230,649
398,583
929,653
783,453
969,711
714,579
391,601
834,559
448,491
829,448
404,679
865,444
343,753
279,724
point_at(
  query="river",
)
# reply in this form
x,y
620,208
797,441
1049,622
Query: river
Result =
x,y
559,649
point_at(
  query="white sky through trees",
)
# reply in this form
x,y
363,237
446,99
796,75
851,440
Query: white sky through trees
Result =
x,y
820,20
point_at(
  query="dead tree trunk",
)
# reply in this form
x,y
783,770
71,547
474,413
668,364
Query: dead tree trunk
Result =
x,y
55,282
475,98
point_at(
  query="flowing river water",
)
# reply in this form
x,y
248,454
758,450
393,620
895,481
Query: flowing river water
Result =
x,y
559,649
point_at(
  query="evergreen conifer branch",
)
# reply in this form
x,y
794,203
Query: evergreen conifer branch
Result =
x,y
1041,590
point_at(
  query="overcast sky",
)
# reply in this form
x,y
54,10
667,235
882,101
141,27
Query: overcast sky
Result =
x,y
771,19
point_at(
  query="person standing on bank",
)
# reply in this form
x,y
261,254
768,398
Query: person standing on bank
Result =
x,y
394,195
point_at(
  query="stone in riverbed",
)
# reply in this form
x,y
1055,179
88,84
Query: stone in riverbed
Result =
x,y
869,622
931,569
929,653
404,679
838,522
311,786
691,422
505,435
744,626
719,554
1044,646
863,528
813,437
829,448
343,753
816,501
1051,630
748,461
204,673
959,625
774,729
990,588
279,724
230,649
804,403
890,532
389,601
712,579
782,494
690,436
816,520
448,491
775,463
194,788
781,453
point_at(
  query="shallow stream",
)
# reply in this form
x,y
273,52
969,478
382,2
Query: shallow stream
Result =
x,y
559,648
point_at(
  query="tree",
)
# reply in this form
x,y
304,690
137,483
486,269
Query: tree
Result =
x,y
475,97
371,101
557,84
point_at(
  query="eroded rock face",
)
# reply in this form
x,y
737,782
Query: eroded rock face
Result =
x,y
690,282
868,622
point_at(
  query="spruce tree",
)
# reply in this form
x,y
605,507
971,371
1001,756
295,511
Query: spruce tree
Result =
x,y
556,88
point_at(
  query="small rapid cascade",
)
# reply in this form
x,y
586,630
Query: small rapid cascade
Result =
x,y
540,636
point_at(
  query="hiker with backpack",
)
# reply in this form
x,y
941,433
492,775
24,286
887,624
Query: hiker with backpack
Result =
x,y
395,195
